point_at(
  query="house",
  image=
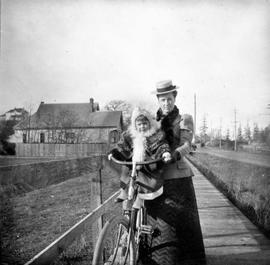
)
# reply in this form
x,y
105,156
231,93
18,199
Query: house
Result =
x,y
16,114
69,123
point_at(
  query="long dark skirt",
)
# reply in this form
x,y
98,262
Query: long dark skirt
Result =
x,y
175,215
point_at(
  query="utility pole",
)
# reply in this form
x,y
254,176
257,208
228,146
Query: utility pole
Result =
x,y
235,122
211,132
195,116
0,27
29,126
220,134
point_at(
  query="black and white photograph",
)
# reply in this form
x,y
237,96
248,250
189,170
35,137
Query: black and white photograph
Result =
x,y
135,132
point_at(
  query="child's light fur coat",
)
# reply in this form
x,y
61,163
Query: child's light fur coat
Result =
x,y
138,147
140,139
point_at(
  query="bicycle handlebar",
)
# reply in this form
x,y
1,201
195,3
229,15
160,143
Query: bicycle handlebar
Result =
x,y
137,163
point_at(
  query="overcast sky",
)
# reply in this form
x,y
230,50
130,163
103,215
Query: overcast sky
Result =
x,y
71,50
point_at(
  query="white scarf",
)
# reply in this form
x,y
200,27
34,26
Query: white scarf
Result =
x,y
139,147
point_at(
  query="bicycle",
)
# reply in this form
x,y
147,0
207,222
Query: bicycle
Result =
x,y
123,239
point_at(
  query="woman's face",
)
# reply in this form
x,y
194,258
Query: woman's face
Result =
x,y
166,102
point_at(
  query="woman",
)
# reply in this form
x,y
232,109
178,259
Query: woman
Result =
x,y
175,213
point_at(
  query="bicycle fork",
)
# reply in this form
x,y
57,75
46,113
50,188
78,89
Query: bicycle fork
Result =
x,y
142,223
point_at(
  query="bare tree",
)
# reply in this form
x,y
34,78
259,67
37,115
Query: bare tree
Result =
x,y
228,135
67,119
256,132
116,104
59,127
121,105
247,133
28,106
203,130
239,134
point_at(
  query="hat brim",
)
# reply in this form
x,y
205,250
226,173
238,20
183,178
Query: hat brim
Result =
x,y
165,92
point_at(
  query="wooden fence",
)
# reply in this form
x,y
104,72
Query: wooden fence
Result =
x,y
101,183
60,150
93,219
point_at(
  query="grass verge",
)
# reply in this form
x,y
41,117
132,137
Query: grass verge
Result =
x,y
30,222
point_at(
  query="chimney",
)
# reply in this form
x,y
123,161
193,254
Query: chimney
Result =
x,y
42,102
92,105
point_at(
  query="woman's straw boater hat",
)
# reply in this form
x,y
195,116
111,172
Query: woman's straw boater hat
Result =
x,y
164,87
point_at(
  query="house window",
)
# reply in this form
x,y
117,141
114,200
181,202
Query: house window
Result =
x,y
42,138
60,138
114,137
70,137
24,138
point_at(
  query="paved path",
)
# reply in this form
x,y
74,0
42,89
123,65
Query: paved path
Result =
x,y
256,159
229,237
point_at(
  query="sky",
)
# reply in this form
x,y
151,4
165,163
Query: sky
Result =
x,y
66,51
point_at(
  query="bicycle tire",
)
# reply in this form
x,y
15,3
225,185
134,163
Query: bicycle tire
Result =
x,y
142,250
136,222
105,254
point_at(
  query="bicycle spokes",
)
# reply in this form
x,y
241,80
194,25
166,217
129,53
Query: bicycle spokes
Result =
x,y
116,246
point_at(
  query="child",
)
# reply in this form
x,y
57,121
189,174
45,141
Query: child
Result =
x,y
142,141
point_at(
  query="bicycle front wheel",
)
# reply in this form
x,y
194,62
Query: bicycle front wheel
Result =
x,y
115,244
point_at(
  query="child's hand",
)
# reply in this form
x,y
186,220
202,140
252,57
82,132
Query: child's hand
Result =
x,y
166,157
139,167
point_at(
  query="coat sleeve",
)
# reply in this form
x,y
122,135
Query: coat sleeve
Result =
x,y
161,145
186,134
124,147
121,151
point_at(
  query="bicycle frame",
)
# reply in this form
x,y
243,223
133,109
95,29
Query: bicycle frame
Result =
x,y
137,217
131,227
132,186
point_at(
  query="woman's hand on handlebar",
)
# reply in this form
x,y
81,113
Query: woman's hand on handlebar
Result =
x,y
176,156
166,157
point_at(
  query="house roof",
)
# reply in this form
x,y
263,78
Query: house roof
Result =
x,y
70,115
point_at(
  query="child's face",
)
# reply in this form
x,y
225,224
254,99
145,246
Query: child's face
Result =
x,y
142,125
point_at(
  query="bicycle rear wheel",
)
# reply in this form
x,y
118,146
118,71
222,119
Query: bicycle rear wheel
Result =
x,y
115,244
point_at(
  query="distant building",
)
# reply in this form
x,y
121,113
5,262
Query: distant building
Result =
x,y
16,114
70,123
